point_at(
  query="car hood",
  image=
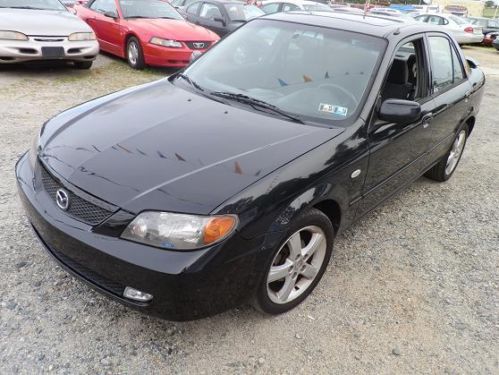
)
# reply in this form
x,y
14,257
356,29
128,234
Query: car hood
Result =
x,y
174,29
41,22
162,147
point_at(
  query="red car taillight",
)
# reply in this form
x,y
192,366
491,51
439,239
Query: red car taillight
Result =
x,y
469,29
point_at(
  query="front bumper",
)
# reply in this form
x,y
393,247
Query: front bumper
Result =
x,y
185,285
14,51
168,57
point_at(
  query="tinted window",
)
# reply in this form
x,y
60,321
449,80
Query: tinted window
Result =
x,y
289,7
242,12
103,6
210,11
458,68
193,9
316,73
270,8
446,69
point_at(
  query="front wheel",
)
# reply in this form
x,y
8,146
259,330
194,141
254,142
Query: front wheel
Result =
x,y
295,268
444,169
134,54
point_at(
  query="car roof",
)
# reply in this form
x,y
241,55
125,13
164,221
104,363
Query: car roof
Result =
x,y
380,26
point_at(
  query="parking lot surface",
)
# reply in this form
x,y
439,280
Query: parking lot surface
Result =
x,y
411,288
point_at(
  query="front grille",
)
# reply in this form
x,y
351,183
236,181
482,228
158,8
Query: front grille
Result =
x,y
79,208
89,275
198,45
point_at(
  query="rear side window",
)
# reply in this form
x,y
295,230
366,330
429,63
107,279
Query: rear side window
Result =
x,y
445,64
270,8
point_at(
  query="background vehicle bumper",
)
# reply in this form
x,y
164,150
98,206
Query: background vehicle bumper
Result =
x,y
167,57
185,285
469,38
12,51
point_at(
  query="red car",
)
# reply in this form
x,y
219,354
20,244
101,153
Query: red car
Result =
x,y
145,32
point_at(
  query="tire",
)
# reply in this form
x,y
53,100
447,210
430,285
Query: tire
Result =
x,y
134,54
445,168
83,64
291,286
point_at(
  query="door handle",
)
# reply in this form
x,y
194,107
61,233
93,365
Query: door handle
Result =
x,y
426,120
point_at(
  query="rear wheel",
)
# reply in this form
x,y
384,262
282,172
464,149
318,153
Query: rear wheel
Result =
x,y
296,267
83,64
134,54
448,164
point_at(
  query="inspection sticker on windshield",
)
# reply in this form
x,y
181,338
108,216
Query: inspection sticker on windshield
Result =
x,y
334,109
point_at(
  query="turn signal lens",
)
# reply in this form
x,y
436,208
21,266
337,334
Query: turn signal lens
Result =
x,y
217,228
78,37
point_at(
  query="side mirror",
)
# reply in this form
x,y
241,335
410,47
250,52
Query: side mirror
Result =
x,y
218,19
472,62
399,111
111,14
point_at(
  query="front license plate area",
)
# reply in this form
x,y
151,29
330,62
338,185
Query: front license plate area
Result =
x,y
53,52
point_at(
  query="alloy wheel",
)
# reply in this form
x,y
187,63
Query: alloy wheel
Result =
x,y
133,53
296,264
455,152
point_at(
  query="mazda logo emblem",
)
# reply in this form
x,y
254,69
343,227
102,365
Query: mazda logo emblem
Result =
x,y
198,45
62,199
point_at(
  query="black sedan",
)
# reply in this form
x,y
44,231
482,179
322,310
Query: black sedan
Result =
x,y
229,181
221,16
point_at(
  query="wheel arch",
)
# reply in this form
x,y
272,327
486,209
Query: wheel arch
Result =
x,y
332,210
471,124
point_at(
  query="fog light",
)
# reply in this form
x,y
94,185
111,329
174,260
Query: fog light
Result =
x,y
137,295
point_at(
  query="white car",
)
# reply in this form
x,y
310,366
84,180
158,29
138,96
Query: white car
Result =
x,y
33,30
276,6
463,31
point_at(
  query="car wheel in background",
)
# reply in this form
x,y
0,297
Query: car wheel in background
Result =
x,y
448,164
295,268
134,54
83,64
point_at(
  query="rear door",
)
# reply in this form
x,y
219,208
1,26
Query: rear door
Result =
x,y
450,90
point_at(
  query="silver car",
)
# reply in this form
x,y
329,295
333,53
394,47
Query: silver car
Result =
x,y
44,30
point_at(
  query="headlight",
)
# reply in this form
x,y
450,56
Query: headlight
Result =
x,y
166,42
78,37
12,35
179,231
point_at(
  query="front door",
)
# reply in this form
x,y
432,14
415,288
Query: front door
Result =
x,y
396,149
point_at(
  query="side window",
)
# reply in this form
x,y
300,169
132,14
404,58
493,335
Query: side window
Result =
x,y
210,11
457,66
405,77
289,7
446,68
435,20
193,9
422,18
270,8
103,6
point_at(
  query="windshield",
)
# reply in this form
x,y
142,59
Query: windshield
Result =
x,y
242,12
315,73
33,4
148,9
317,7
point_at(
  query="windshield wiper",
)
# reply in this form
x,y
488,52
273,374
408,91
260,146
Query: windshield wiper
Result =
x,y
190,81
256,104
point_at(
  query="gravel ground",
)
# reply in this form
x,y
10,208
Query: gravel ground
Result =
x,y
412,288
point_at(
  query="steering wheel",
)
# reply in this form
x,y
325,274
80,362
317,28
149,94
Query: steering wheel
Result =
x,y
329,86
